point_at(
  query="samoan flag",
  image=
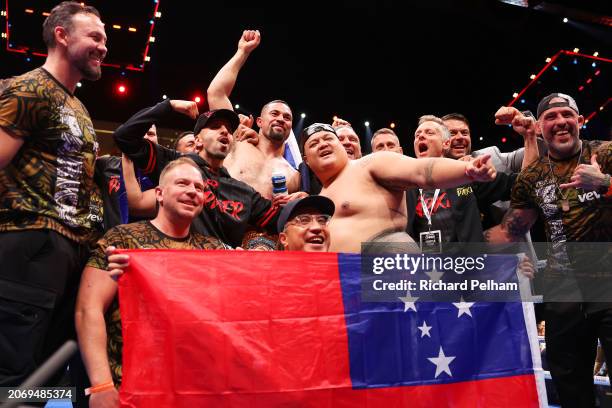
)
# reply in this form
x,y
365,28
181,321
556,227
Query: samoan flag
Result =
x,y
288,329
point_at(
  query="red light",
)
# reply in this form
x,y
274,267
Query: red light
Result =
x,y
581,87
197,99
504,140
597,72
588,81
121,89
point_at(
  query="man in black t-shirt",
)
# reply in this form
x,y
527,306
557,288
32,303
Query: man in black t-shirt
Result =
x,y
230,205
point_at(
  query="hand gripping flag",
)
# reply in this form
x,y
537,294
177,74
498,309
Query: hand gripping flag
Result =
x,y
286,329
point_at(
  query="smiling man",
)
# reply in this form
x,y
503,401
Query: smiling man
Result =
x,y
368,193
230,205
304,224
50,207
180,195
569,188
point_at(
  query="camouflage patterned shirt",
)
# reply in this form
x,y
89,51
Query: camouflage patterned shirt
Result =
x,y
49,182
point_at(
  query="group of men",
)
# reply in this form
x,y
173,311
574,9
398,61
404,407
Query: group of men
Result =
x,y
214,192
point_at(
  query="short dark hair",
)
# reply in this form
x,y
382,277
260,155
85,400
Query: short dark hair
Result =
x,y
274,101
180,136
382,131
456,116
61,15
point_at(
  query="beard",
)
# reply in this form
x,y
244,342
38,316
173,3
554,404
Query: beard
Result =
x,y
276,136
89,72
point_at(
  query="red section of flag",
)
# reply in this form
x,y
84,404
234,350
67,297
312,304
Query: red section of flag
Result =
x,y
258,329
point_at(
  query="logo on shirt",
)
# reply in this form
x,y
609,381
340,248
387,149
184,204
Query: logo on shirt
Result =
x,y
113,184
441,202
590,196
464,191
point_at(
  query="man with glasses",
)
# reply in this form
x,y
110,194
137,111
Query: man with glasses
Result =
x,y
303,224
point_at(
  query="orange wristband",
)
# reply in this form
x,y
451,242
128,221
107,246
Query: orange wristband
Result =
x,y
99,388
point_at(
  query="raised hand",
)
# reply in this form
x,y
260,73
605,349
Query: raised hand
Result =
x,y
522,124
188,108
481,169
249,41
587,176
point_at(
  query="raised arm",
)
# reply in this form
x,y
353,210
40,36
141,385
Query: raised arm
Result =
x,y
525,126
222,84
140,203
402,172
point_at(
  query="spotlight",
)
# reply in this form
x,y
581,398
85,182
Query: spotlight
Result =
x,y
565,20
504,140
576,49
121,89
236,106
481,138
158,14
197,99
151,39
367,123
594,64
514,95
392,125
548,59
164,96
532,76
79,84
555,68
522,101
596,54
303,115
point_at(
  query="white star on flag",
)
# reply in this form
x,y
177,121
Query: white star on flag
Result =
x,y
408,302
425,329
464,307
442,363
434,275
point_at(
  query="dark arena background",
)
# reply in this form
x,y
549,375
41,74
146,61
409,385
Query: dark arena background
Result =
x,y
376,63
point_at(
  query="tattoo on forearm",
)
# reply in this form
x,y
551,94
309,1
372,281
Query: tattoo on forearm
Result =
x,y
429,182
514,224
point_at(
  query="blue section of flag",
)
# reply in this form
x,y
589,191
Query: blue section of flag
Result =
x,y
387,348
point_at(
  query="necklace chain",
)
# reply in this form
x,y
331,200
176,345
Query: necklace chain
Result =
x,y
554,178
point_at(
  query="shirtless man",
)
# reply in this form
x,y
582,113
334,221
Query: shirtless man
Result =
x,y
368,193
255,164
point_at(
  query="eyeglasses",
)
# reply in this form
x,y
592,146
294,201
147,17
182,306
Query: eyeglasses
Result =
x,y
303,220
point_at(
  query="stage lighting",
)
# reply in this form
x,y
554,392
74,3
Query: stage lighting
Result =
x,y
79,84
555,68
303,115
481,138
121,89
236,106
576,49
532,76
565,20
594,64
392,125
504,140
164,96
596,54
367,123
514,95
197,99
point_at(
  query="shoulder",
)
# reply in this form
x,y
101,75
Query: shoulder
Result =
x,y
201,241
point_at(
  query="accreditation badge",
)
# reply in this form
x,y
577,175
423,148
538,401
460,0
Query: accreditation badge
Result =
x,y
431,241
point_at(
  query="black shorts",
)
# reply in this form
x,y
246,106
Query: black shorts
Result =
x,y
39,277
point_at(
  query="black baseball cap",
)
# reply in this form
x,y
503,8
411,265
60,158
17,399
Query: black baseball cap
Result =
x,y
311,130
567,101
229,115
321,203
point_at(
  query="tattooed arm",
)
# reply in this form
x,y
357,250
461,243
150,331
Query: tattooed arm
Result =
x,y
515,224
399,172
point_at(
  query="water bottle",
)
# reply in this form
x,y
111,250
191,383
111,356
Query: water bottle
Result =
x,y
279,184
